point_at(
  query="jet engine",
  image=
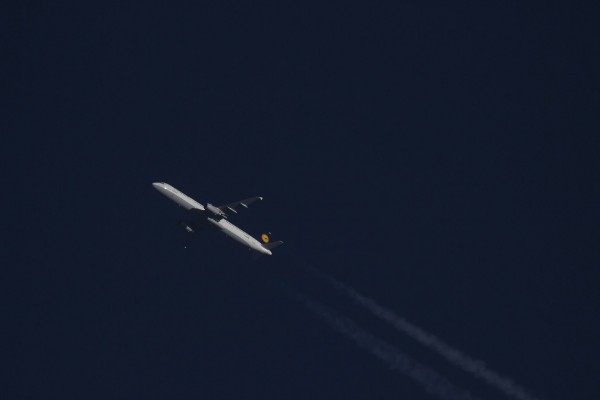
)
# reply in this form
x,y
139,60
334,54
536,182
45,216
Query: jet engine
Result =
x,y
216,211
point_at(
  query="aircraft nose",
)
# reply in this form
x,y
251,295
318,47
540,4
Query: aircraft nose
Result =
x,y
156,185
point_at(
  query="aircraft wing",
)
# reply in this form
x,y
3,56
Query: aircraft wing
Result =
x,y
234,207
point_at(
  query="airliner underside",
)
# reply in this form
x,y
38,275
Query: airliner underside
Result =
x,y
213,216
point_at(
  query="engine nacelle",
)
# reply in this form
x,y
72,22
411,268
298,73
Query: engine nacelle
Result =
x,y
215,210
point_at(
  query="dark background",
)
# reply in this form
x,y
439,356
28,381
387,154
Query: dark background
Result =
x,y
437,157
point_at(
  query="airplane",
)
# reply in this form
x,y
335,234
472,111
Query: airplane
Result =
x,y
211,216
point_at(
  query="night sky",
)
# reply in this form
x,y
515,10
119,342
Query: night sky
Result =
x,y
435,157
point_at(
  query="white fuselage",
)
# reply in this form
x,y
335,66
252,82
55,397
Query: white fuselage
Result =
x,y
180,198
225,226
237,234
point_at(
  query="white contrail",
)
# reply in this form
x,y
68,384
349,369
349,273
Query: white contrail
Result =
x,y
433,382
474,366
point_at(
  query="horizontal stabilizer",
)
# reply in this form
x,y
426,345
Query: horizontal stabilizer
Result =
x,y
272,245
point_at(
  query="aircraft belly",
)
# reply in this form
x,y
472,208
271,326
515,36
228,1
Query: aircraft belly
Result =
x,y
236,233
235,237
178,197
184,202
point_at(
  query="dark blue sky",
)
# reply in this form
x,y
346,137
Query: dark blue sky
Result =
x,y
435,157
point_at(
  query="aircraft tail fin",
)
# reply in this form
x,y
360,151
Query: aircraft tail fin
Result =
x,y
272,245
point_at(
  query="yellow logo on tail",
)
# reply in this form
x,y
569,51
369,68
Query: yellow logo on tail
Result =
x,y
265,238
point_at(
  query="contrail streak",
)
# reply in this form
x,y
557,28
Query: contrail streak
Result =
x,y
471,365
432,382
